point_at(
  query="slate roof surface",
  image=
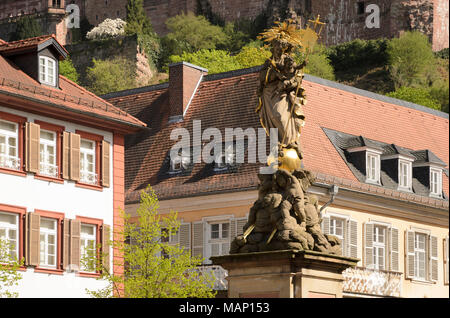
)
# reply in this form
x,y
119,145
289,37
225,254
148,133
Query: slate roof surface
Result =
x,y
229,100
15,82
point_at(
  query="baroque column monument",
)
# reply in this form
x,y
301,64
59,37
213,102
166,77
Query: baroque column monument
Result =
x,y
282,251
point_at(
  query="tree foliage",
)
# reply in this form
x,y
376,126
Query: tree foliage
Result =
x,y
411,60
416,95
137,20
9,276
190,33
67,69
153,268
26,27
110,76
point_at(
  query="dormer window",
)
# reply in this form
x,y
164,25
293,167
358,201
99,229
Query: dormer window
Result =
x,y
372,167
47,70
180,163
436,182
225,159
404,175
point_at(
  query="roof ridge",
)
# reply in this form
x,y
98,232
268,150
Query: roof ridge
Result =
x,y
137,90
108,104
376,96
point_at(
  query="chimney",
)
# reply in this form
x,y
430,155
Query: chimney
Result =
x,y
184,79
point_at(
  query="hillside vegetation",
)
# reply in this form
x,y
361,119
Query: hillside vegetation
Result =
x,y
403,67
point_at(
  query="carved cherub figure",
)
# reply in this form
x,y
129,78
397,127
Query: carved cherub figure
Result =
x,y
292,191
313,223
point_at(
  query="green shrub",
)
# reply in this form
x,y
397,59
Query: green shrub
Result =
x,y
216,61
190,33
440,92
442,54
357,53
411,60
415,95
107,76
252,56
67,69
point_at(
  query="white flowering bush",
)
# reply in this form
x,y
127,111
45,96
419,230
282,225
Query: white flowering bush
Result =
x,y
107,29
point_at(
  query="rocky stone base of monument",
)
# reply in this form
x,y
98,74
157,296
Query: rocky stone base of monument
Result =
x,y
284,274
285,217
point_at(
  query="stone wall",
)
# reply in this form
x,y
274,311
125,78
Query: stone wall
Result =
x,y
124,47
346,19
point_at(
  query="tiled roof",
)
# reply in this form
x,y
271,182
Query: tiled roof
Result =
x,y
27,43
70,96
229,100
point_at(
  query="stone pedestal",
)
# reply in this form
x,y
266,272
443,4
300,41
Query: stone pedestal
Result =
x,y
284,274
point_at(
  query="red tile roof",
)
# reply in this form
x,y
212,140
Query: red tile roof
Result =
x,y
26,43
229,100
72,97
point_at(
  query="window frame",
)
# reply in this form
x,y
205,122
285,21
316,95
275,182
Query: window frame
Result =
x,y
20,121
58,217
97,139
58,131
423,251
438,183
377,168
98,223
380,246
46,80
220,240
408,186
20,212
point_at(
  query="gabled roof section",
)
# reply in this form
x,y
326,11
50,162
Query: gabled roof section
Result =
x,y
33,44
229,100
427,156
69,97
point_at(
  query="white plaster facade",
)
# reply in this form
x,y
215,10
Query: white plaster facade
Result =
x,y
31,193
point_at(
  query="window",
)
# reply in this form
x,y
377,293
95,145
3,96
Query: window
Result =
x,y
420,255
360,7
219,238
9,233
88,162
345,229
9,150
180,163
225,159
48,242
436,182
337,227
373,167
379,247
404,175
88,239
47,158
47,70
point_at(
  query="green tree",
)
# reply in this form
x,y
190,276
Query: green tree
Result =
x,y
138,23
26,27
252,56
190,33
137,20
216,61
9,276
152,267
67,69
411,60
416,95
107,76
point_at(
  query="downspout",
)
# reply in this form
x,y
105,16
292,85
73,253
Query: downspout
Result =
x,y
333,190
